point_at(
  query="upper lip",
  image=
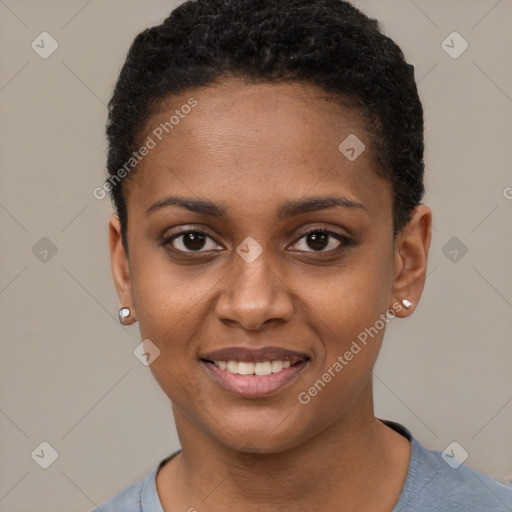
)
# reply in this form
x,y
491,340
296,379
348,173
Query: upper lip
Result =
x,y
254,354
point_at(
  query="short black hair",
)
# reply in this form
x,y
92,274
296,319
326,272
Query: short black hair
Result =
x,y
327,43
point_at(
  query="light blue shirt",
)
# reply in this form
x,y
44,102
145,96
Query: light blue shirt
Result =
x,y
431,485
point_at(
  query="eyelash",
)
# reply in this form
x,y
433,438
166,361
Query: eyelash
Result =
x,y
345,241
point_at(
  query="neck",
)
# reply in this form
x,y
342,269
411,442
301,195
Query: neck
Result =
x,y
357,462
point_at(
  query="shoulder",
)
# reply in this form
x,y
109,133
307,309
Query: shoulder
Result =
x,y
437,481
141,496
128,500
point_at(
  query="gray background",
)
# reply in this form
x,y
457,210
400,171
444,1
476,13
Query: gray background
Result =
x,y
67,373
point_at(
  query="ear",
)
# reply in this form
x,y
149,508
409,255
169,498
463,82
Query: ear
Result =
x,y
410,262
120,267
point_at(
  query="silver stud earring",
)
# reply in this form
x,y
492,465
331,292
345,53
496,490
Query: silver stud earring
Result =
x,y
406,303
123,314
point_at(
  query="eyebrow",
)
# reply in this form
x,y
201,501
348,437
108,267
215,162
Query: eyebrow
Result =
x,y
292,208
286,210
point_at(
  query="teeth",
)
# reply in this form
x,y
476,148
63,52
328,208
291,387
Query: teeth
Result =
x,y
245,368
248,368
276,366
263,368
232,366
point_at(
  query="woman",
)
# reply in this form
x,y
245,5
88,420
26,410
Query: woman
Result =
x,y
266,166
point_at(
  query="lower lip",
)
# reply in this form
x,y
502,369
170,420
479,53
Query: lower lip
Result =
x,y
254,386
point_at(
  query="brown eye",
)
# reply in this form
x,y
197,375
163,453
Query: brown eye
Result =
x,y
191,241
321,241
318,241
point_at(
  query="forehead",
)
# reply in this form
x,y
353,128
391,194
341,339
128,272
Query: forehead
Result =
x,y
246,141
233,108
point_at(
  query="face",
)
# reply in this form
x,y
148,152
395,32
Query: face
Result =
x,y
249,229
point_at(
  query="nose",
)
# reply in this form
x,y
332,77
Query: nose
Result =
x,y
254,295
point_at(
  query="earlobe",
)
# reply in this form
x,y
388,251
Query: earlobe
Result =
x,y
407,304
120,270
410,264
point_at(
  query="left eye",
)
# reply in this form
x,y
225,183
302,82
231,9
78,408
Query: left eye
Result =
x,y
191,241
321,241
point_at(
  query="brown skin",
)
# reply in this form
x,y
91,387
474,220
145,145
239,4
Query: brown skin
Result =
x,y
251,148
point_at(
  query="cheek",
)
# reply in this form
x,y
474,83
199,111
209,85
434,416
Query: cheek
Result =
x,y
169,299
344,314
349,299
345,311
172,304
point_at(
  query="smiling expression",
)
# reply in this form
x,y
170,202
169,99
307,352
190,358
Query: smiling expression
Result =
x,y
259,165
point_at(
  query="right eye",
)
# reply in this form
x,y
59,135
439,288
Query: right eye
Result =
x,y
191,241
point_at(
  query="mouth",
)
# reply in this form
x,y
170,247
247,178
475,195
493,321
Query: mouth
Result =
x,y
253,368
254,373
